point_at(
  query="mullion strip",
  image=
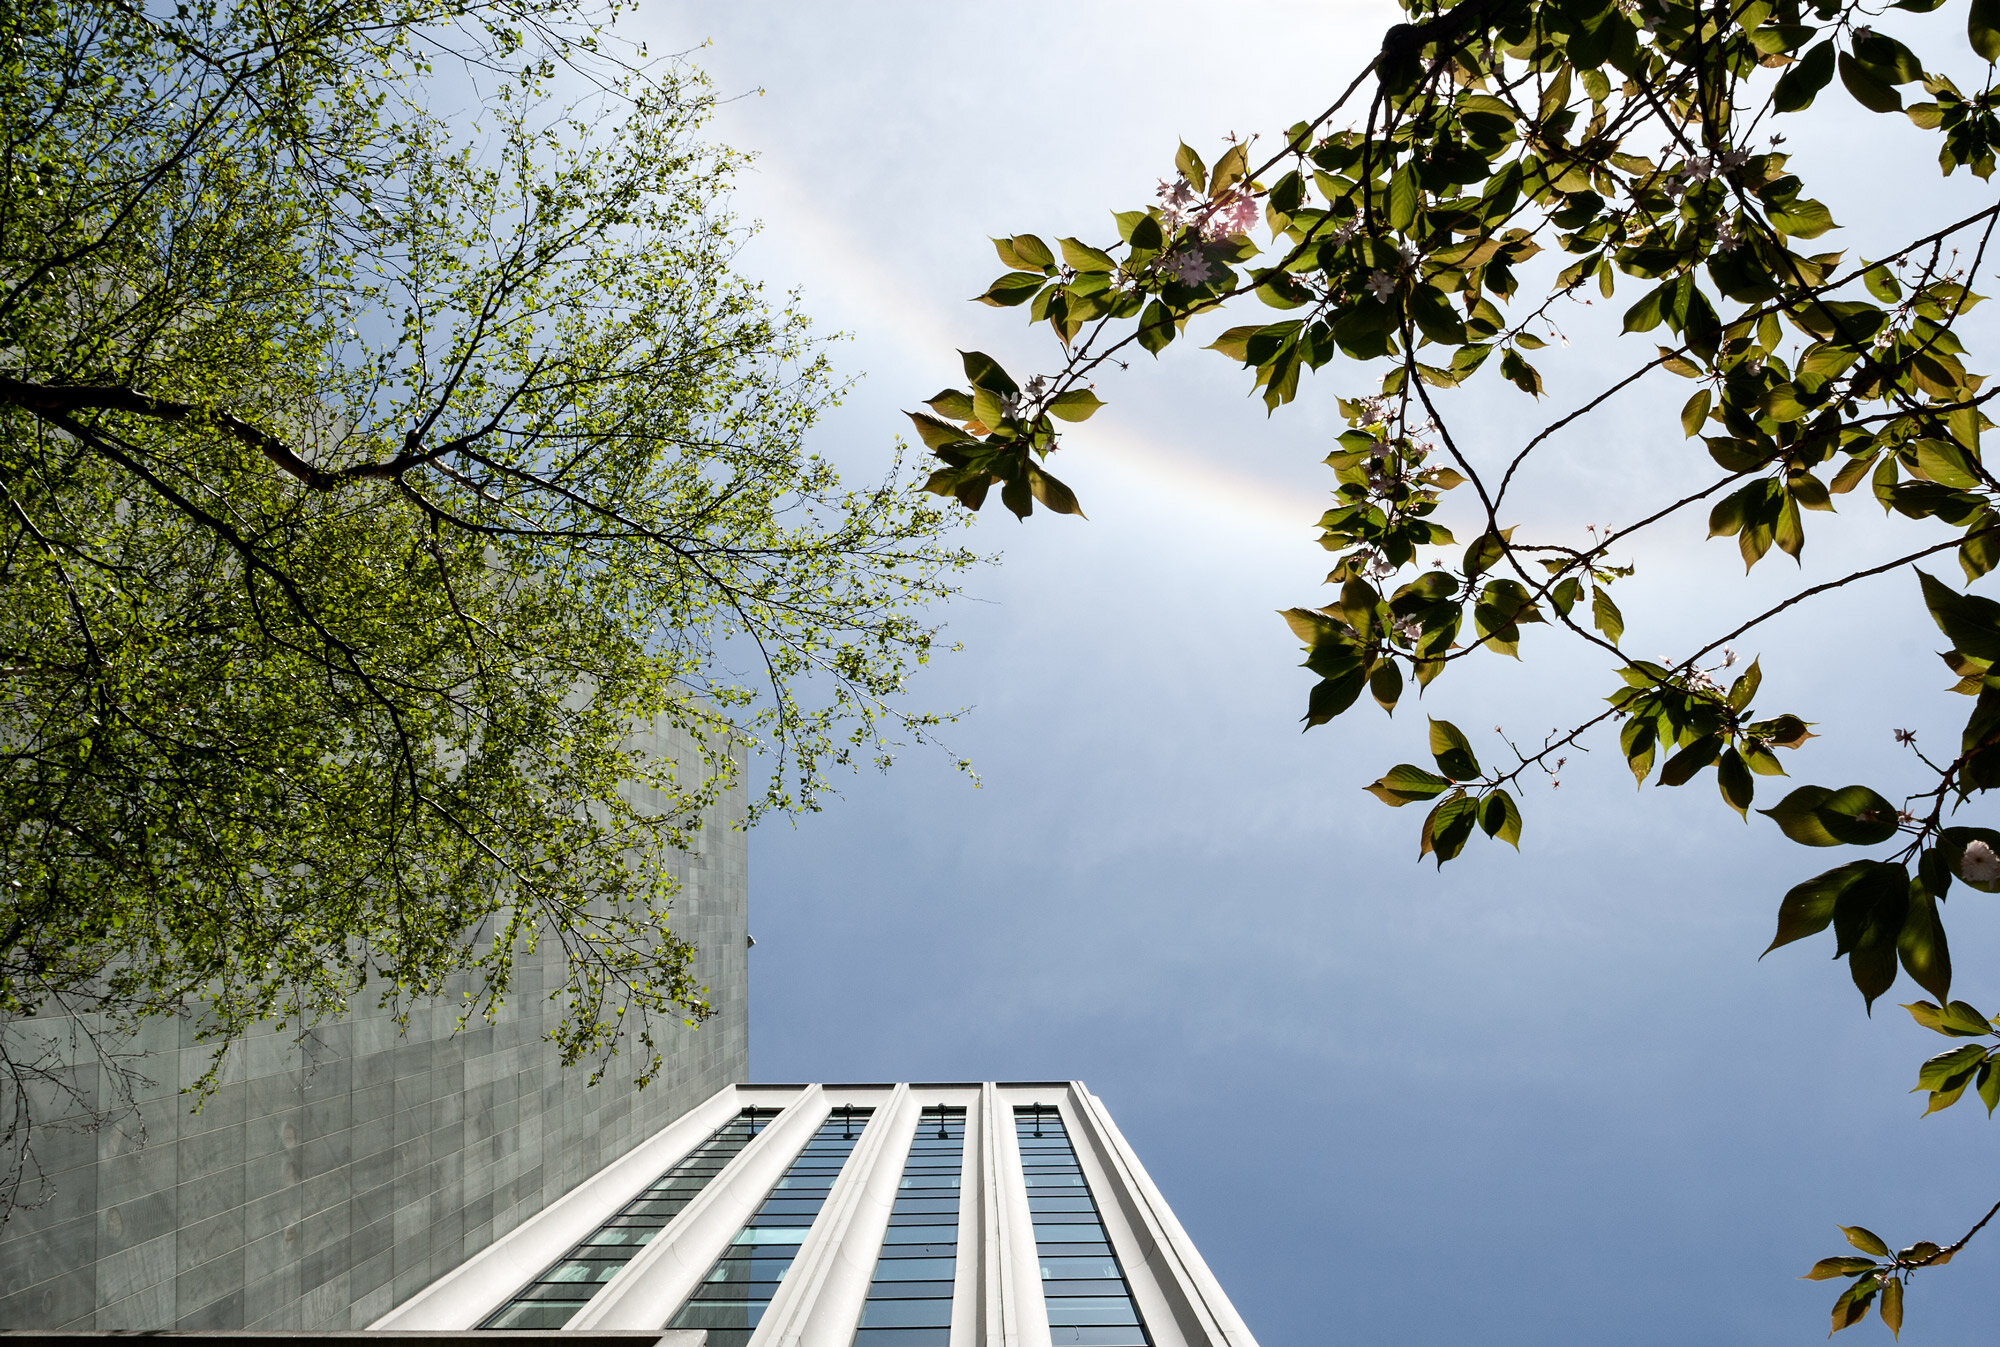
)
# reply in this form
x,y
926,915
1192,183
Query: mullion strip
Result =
x,y
910,1296
568,1284
1084,1290
733,1296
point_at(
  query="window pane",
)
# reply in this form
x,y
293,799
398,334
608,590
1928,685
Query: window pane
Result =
x,y
906,1314
762,1252
635,1224
909,1298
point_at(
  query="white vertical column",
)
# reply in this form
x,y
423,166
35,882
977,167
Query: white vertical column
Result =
x,y
968,1287
1178,1296
648,1290
1015,1314
474,1289
819,1301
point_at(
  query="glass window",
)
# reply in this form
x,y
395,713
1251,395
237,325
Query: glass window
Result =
x,y
598,1257
762,1252
910,1296
1083,1288
906,1314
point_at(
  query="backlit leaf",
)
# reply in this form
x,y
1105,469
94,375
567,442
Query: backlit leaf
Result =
x,y
1453,752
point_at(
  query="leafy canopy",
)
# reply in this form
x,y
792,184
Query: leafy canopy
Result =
x,y
1497,162
368,473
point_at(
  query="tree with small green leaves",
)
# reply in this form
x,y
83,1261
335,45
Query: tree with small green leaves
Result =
x,y
385,436
1496,163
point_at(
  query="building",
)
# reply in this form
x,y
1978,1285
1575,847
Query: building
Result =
x,y
953,1215
329,1180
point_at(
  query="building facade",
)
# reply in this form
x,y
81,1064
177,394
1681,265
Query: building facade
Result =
x,y
332,1178
943,1215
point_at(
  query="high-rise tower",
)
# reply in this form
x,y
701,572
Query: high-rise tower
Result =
x,y
940,1215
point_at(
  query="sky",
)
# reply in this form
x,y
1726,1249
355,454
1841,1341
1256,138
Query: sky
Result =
x,y
1548,1097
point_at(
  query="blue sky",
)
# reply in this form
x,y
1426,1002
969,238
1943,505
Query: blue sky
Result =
x,y
1550,1097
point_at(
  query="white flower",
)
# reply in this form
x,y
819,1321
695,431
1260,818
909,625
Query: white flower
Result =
x,y
1347,231
1735,159
1236,214
1409,629
1726,237
1010,404
1698,168
1862,34
1037,386
1176,200
1979,865
1186,265
1381,286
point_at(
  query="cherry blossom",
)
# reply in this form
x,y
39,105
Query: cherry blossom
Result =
x,y
1186,265
1979,864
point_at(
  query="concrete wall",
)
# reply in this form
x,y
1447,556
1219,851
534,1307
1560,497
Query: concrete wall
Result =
x,y
325,1183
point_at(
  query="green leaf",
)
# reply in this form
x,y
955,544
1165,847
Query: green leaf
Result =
x,y
1957,1019
1447,828
1989,1090
1857,816
1604,615
1946,464
1564,596
1732,778
1846,1266
1970,622
1952,843
1886,58
985,373
1453,752
1403,197
1868,89
1801,83
1807,909
1191,168
1332,696
1077,404
1483,551
1922,947
1156,327
1852,1307
1865,1240
1229,169
937,434
1681,767
1501,818
1744,689
1052,493
1637,741
1945,1069
1891,1308
1084,258
1385,685
1648,313
1025,252
1520,373
1016,287
1851,816
1695,414
952,404
1982,25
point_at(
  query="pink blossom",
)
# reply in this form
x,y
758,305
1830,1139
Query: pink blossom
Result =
x,y
1186,265
1235,214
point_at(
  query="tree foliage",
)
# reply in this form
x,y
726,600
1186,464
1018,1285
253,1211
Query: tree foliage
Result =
x,y
367,473
1495,163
